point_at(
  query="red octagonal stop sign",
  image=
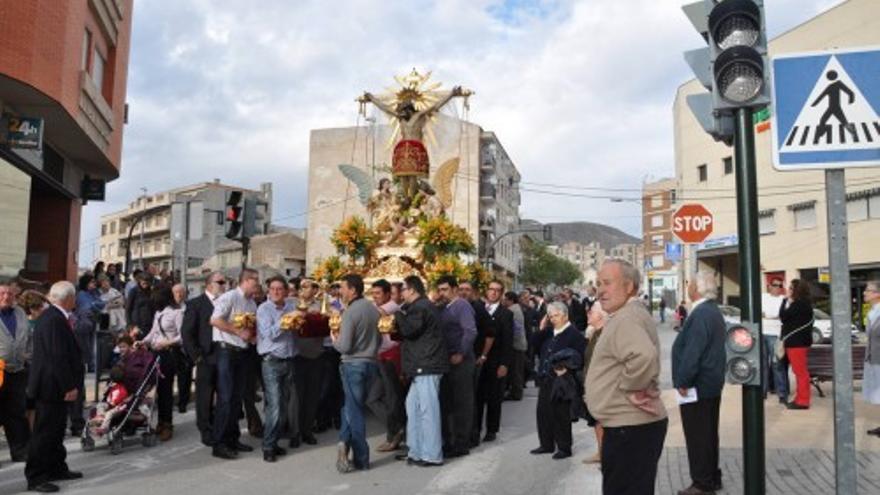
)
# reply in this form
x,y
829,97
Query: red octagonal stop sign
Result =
x,y
692,223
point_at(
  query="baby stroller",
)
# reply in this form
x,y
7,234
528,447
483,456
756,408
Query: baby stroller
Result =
x,y
137,413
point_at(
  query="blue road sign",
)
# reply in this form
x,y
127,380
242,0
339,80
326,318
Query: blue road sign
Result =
x,y
673,252
825,109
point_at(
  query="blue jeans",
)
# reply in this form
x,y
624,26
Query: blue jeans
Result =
x,y
278,385
423,428
775,369
356,379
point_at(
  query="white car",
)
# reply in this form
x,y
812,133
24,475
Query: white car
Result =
x,y
821,323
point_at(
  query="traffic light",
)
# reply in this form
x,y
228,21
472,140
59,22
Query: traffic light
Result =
x,y
743,354
234,214
732,67
254,217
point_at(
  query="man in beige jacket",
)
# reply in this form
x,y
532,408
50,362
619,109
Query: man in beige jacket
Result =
x,y
622,385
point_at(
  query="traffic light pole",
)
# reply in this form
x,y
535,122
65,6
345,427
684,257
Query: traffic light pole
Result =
x,y
750,296
245,248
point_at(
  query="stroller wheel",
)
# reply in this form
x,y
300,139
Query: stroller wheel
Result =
x,y
88,444
149,439
116,444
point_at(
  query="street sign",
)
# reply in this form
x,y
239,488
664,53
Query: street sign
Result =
x,y
692,223
825,109
673,252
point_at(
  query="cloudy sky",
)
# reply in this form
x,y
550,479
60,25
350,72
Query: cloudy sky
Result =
x,y
579,92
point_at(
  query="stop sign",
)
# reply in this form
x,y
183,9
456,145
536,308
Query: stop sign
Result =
x,y
692,223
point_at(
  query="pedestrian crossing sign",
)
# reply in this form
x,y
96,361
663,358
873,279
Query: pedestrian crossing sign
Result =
x,y
825,109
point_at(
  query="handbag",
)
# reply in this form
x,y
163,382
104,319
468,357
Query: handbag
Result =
x,y
779,350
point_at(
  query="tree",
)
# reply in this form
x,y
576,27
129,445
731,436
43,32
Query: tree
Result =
x,y
542,268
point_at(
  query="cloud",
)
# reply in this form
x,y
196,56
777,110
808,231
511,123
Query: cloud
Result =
x,y
579,92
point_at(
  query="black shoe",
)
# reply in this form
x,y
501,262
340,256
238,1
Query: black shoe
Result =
x,y
76,433
66,476
428,464
207,441
792,405
181,409
490,436
540,450
242,447
269,456
561,455
294,443
224,452
44,488
875,432
309,439
402,457
783,401
279,451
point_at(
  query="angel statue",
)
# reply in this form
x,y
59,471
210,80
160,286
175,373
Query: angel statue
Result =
x,y
411,109
382,204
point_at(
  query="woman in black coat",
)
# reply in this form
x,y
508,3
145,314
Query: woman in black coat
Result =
x,y
140,307
796,316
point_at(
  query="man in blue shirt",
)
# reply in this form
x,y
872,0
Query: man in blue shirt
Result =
x,y
277,350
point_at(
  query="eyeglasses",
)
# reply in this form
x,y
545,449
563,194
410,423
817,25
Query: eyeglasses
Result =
x,y
220,282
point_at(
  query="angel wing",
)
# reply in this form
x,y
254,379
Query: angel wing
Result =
x,y
361,179
443,181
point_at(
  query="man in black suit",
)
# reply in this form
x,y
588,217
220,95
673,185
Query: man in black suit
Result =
x,y
55,376
197,335
494,365
576,314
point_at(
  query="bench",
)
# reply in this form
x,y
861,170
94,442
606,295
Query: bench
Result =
x,y
820,364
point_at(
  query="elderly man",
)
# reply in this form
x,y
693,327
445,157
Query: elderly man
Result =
x,y
15,351
698,361
622,385
554,413
197,336
53,382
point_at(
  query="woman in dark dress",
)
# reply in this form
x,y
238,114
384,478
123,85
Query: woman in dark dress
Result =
x,y
796,315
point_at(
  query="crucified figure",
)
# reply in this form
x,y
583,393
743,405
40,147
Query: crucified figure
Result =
x,y
410,159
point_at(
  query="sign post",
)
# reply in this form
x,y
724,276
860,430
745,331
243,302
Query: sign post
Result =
x,y
826,116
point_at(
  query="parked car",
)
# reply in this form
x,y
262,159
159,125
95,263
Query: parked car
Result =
x,y
821,323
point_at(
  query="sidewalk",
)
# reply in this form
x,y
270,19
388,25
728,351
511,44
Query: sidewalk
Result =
x,y
799,444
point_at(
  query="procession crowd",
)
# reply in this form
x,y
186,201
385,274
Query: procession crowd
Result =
x,y
436,382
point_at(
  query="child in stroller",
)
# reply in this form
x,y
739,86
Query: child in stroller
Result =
x,y
128,402
113,405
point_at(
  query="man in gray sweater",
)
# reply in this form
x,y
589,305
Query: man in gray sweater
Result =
x,y
358,341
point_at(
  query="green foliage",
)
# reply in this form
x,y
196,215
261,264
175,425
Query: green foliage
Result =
x,y
542,268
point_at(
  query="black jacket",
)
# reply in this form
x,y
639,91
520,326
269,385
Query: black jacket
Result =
x,y
485,326
576,314
139,309
502,352
796,316
56,366
547,345
196,332
698,354
423,350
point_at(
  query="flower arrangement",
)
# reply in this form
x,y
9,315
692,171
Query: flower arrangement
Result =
x,y
438,237
330,270
447,264
354,238
478,275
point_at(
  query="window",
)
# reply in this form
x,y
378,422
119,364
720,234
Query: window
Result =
x,y
113,227
157,245
702,173
657,261
656,201
672,196
657,221
805,217
98,63
767,222
657,241
103,229
87,45
857,209
728,165
103,251
111,250
148,221
874,206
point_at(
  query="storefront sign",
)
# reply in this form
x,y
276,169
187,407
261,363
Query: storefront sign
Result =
x,y
23,132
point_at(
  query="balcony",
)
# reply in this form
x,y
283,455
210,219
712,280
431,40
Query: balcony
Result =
x,y
487,192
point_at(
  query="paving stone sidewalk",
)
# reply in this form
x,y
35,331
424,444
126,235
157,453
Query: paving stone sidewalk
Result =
x,y
789,471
